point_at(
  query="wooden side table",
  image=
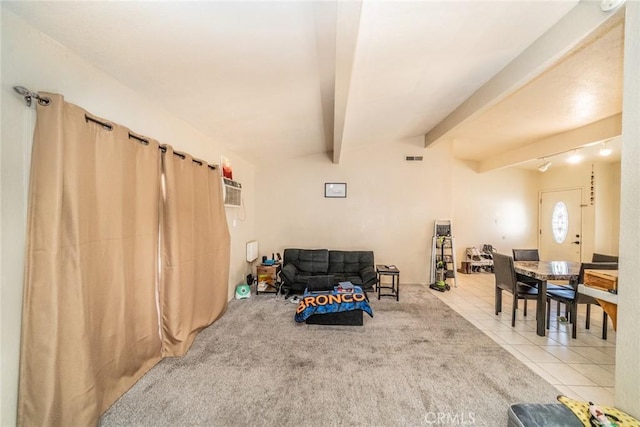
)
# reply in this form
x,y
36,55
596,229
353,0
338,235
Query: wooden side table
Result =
x,y
267,274
394,273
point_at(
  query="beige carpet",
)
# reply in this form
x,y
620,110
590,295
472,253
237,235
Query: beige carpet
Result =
x,y
416,362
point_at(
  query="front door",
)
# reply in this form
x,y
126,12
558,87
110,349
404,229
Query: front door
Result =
x,y
560,225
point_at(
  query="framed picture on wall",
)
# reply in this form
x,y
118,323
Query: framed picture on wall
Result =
x,y
335,189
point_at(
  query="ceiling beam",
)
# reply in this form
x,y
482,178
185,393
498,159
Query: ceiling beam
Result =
x,y
580,22
556,144
324,14
347,26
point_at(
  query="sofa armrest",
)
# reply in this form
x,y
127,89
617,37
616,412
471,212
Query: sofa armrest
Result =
x,y
368,275
288,273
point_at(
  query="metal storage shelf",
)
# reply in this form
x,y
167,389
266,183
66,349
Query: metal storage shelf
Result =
x,y
443,251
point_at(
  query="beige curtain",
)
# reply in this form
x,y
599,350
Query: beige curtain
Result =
x,y
90,323
195,251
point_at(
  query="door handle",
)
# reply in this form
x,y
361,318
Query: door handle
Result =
x,y
577,242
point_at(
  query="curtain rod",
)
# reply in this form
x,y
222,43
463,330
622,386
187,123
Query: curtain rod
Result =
x,y
29,96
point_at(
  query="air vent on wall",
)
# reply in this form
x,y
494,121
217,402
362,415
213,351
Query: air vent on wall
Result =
x,y
413,158
232,193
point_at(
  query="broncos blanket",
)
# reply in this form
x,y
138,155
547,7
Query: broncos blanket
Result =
x,y
333,302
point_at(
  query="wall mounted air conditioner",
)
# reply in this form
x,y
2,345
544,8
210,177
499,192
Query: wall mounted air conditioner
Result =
x,y
232,193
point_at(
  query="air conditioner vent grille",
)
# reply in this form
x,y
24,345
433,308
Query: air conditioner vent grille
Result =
x,y
413,158
232,193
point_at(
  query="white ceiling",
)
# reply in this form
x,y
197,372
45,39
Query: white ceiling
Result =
x,y
583,87
289,79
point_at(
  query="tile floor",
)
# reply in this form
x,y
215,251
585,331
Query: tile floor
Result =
x,y
581,368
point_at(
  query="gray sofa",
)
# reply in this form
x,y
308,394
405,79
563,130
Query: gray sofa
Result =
x,y
299,265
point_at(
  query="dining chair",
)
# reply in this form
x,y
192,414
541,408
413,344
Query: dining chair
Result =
x,y
572,298
505,277
534,255
526,255
603,258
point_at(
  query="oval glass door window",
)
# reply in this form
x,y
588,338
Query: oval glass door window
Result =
x,y
560,222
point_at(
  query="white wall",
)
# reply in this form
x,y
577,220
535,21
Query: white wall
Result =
x,y
33,60
391,205
607,208
628,333
616,206
241,223
498,208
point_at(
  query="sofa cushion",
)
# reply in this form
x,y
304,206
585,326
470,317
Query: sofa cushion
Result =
x,y
321,282
349,262
314,261
299,265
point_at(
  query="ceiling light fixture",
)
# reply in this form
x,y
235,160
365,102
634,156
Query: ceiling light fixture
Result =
x,y
574,158
609,5
543,167
605,150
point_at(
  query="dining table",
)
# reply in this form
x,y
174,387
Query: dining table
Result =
x,y
541,272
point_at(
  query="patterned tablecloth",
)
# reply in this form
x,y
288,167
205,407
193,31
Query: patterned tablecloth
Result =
x,y
332,302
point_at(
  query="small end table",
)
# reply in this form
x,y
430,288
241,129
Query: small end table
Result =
x,y
269,275
388,270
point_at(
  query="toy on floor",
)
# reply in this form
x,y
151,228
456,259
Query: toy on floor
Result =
x,y
599,418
